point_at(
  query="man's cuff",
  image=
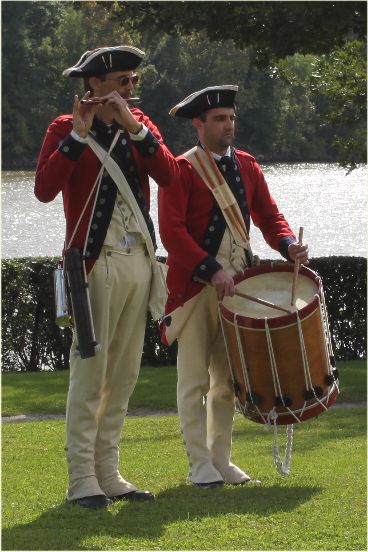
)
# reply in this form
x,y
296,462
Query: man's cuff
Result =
x,y
76,136
147,145
71,148
140,135
283,247
206,269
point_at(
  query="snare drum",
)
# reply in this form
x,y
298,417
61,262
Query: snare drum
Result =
x,y
282,364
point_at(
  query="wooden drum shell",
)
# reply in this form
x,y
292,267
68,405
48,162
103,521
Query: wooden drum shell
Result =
x,y
249,346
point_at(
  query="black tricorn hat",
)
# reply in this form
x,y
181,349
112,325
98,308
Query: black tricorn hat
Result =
x,y
106,60
199,102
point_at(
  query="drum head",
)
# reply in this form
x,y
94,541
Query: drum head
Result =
x,y
274,287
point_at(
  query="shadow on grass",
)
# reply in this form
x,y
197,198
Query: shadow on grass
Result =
x,y
65,527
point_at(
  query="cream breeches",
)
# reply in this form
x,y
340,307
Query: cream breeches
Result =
x,y
206,401
100,387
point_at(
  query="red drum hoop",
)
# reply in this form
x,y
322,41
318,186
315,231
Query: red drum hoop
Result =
x,y
282,366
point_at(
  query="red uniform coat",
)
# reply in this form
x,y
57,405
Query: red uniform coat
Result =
x,y
74,177
184,214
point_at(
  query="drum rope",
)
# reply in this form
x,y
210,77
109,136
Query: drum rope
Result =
x,y
327,327
320,402
327,343
282,467
302,412
325,333
323,307
329,353
275,375
306,366
226,345
245,370
260,414
307,376
293,414
242,357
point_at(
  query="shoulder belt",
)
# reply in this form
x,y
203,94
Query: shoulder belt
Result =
x,y
156,305
204,164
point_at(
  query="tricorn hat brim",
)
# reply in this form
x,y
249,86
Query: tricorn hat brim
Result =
x,y
106,60
209,98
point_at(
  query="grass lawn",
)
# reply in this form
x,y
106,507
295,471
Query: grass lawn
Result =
x,y
45,392
320,506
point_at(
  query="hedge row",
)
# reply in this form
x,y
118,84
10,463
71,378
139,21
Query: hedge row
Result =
x,y
31,341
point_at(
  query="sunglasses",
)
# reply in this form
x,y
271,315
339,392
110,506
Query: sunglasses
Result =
x,y
123,81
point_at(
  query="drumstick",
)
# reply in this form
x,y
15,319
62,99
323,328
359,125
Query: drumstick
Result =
x,y
252,298
261,301
296,269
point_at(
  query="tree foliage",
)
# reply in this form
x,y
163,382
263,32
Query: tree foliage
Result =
x,y
275,29
279,105
340,78
39,41
276,32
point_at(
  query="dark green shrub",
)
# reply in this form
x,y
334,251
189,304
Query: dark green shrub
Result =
x,y
31,341
345,286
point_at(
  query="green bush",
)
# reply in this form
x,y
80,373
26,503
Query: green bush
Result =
x,y
31,341
345,286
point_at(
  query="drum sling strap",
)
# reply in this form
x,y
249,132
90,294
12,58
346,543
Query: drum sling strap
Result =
x,y
205,165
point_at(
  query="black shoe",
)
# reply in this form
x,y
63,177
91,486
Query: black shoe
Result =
x,y
95,501
134,495
209,485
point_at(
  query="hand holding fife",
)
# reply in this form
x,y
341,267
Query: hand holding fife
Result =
x,y
223,283
83,115
121,111
299,251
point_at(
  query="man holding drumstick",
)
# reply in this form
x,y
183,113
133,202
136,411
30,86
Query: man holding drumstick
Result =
x,y
107,220
202,250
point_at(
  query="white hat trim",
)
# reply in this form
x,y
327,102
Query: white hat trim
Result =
x,y
130,49
191,97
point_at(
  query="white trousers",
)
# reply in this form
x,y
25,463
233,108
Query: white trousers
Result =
x,y
100,387
206,401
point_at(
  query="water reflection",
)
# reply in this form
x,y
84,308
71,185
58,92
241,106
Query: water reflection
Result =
x,y
329,204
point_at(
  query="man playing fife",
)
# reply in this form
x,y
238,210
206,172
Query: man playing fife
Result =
x,y
201,248
113,234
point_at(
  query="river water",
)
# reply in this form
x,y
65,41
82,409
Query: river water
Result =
x,y
330,205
